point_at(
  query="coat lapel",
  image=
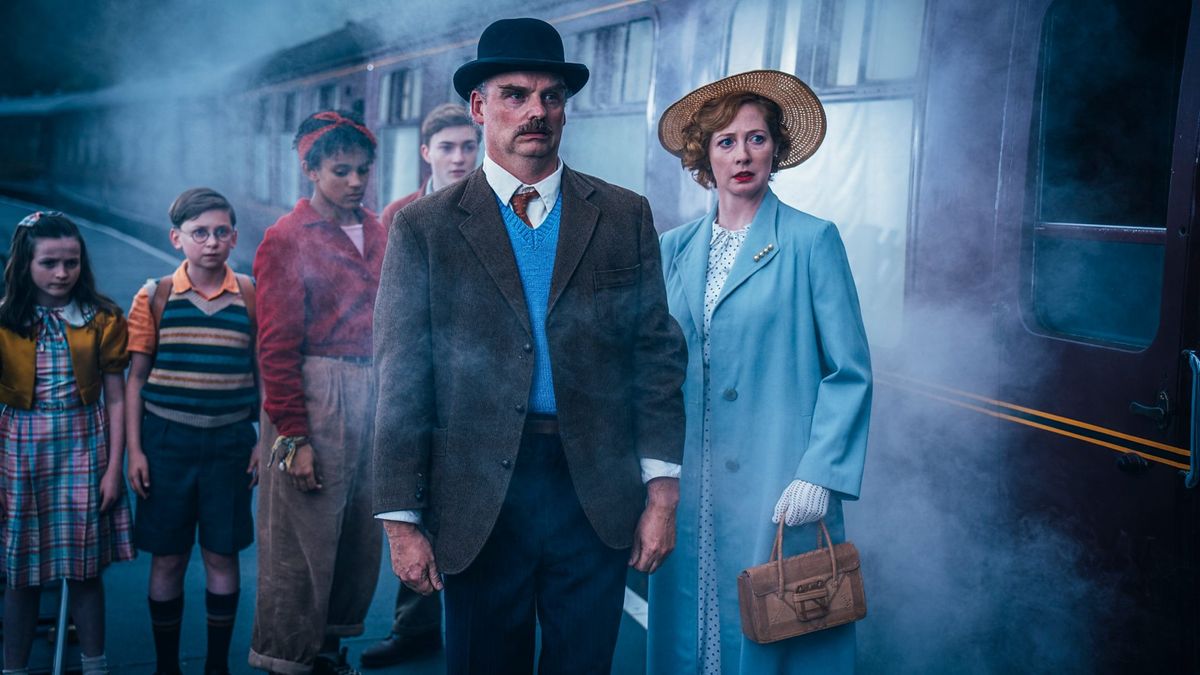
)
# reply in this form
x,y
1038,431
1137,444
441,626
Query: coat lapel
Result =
x,y
761,241
485,232
692,264
579,218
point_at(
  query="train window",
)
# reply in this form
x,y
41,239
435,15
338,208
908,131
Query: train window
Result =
x,y
399,139
765,34
608,62
400,101
892,54
861,177
638,60
260,115
1099,168
849,48
583,47
621,59
327,98
261,171
751,20
875,41
289,174
611,110
399,150
289,112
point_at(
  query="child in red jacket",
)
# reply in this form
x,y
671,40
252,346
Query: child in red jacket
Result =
x,y
317,271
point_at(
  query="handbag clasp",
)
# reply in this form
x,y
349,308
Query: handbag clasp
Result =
x,y
811,601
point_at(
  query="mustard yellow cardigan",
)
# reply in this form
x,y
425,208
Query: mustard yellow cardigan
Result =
x,y
97,348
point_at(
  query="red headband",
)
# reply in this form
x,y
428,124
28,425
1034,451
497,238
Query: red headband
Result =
x,y
307,140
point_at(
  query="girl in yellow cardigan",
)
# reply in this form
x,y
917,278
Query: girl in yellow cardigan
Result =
x,y
63,514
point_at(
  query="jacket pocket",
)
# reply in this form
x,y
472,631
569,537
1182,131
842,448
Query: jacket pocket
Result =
x,y
615,298
622,276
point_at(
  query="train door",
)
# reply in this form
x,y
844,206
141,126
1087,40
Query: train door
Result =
x,y
1094,222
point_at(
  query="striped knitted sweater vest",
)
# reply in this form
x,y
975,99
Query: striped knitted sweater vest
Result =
x,y
203,372
535,249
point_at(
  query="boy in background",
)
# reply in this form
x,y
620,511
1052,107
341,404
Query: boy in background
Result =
x,y
450,146
191,400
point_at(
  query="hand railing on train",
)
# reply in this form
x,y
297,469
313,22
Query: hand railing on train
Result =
x,y
1192,477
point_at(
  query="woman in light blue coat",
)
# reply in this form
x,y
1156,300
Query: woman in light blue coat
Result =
x,y
778,389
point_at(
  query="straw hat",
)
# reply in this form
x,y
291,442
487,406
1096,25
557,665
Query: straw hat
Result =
x,y
803,114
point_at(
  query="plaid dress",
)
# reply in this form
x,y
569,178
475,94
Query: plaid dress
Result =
x,y
51,461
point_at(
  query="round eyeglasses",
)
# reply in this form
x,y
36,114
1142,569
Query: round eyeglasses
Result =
x,y
201,234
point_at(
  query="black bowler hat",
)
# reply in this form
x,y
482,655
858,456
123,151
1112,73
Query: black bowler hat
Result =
x,y
519,44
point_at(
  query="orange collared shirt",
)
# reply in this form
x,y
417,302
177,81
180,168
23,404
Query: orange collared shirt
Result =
x,y
143,334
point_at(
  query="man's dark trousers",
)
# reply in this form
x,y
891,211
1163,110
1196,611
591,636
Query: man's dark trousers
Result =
x,y
542,559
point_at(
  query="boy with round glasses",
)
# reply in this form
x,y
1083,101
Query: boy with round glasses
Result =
x,y
192,397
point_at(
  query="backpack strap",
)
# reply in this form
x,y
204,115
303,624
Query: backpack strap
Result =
x,y
158,301
246,288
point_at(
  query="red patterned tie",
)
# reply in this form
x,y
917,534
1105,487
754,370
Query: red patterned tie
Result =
x,y
520,204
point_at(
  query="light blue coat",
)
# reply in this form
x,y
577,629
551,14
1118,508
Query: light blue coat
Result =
x,y
791,391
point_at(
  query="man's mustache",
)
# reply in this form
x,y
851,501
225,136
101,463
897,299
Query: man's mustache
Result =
x,y
536,126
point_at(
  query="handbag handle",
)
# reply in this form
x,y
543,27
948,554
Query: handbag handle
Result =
x,y
777,552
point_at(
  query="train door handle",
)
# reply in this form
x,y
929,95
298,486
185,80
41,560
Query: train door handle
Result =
x,y
1192,477
1159,413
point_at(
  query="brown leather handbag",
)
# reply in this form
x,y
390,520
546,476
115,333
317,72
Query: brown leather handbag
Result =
x,y
786,597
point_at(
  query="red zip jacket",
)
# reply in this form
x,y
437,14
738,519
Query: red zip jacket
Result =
x,y
316,297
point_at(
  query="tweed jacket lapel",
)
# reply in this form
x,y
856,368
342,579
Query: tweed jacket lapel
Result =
x,y
485,232
579,218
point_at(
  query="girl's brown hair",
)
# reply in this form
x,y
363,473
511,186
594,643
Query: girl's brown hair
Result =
x,y
718,114
20,295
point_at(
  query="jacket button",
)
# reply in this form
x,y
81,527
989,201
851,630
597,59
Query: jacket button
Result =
x,y
420,495
506,463
732,465
527,347
520,407
730,394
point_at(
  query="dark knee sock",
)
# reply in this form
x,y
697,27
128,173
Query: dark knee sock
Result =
x,y
222,610
165,619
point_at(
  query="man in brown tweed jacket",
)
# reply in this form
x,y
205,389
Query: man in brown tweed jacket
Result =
x,y
530,418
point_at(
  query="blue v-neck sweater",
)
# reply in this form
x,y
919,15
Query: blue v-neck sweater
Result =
x,y
535,249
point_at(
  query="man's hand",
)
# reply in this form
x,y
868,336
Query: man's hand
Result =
x,y
412,557
655,536
303,471
111,484
138,470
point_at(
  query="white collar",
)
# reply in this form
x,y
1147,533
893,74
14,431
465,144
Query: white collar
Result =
x,y
72,314
505,185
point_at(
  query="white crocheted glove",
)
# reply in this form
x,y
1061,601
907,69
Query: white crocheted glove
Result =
x,y
801,503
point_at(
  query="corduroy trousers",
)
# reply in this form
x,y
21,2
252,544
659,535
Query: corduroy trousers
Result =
x,y
319,552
